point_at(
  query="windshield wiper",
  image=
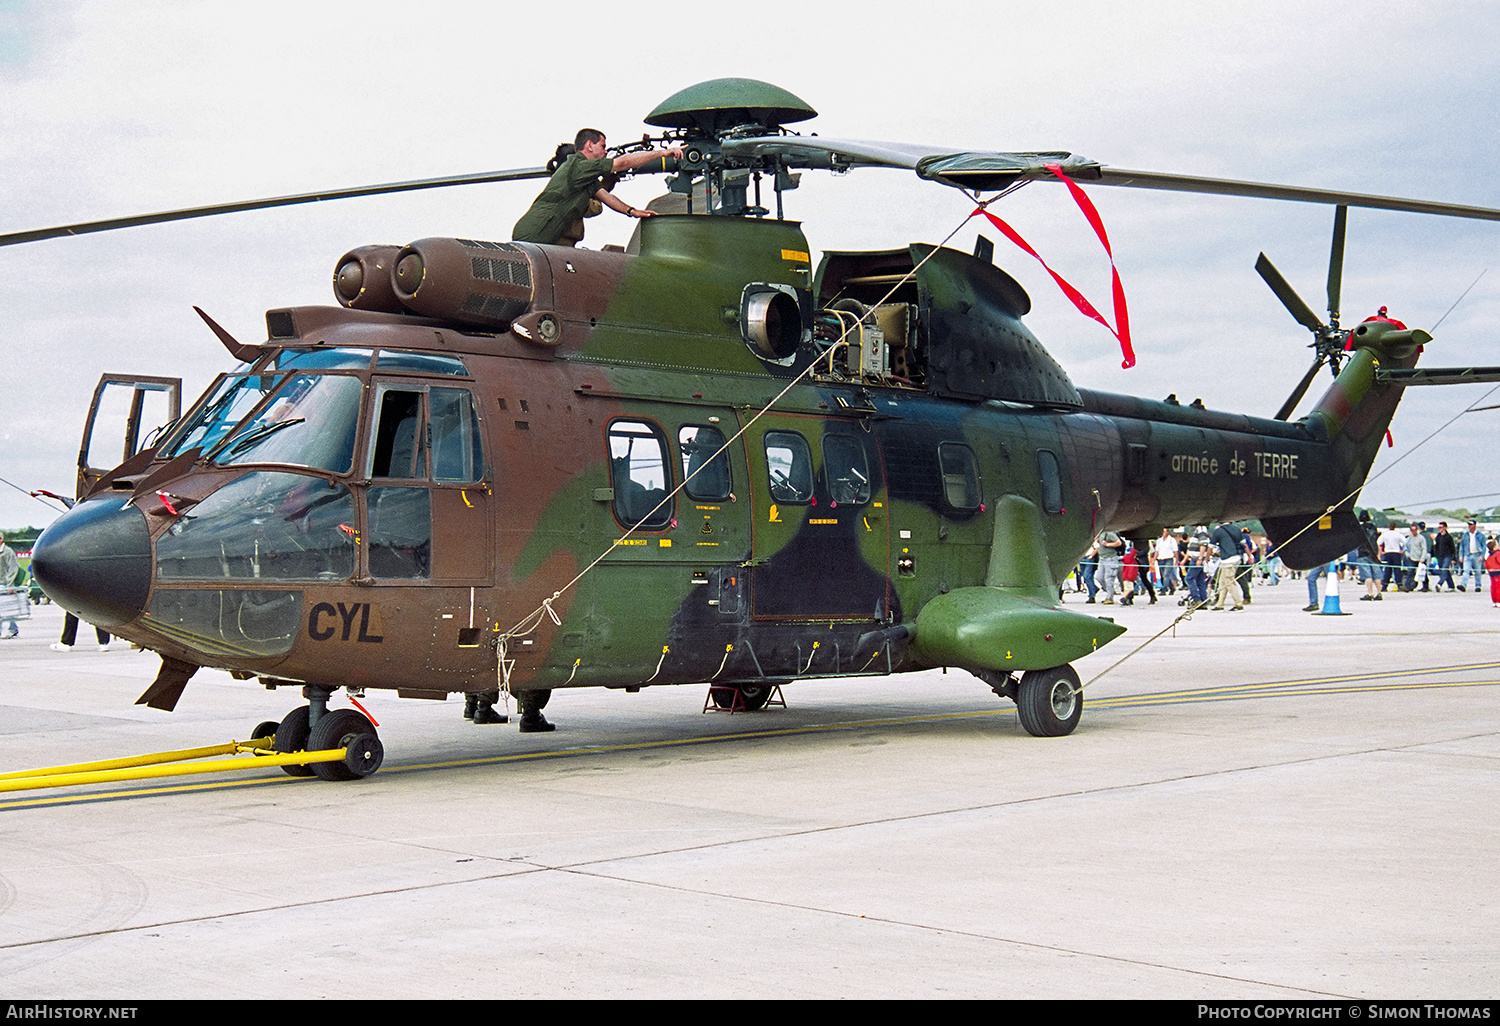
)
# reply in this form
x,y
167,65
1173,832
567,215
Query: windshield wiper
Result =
x,y
243,442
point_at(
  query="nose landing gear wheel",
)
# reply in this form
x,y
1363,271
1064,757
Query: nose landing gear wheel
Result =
x,y
346,728
291,736
1049,702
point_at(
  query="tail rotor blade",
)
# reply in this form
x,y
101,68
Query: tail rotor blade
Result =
x,y
1336,263
1298,392
1289,298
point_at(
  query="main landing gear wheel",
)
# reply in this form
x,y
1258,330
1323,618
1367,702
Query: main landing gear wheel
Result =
x,y
1049,702
291,736
753,697
347,729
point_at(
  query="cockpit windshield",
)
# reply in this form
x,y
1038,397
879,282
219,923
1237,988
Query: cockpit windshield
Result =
x,y
310,422
299,408
233,397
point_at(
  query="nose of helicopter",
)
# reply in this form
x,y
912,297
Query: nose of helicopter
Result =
x,y
95,562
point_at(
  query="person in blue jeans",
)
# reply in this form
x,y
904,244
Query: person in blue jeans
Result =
x,y
1444,556
1194,577
1313,576
1471,553
1087,568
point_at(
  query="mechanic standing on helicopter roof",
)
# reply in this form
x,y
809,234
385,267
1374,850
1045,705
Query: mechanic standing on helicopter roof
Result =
x,y
581,178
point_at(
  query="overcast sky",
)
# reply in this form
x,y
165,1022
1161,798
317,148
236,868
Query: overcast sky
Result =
x,y
118,108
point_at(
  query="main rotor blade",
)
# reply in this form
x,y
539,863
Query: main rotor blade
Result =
x,y
1298,392
85,228
1336,262
988,169
1288,296
1226,187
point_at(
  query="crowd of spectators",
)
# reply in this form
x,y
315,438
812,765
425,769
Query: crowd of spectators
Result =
x,y
1413,557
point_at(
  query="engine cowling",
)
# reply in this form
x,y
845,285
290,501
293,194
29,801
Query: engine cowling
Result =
x,y
487,284
362,279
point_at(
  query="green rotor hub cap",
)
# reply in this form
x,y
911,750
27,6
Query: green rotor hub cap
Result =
x,y
727,103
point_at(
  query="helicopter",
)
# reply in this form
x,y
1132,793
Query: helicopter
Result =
x,y
501,465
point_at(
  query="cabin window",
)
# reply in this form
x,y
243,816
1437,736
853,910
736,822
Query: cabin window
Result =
x,y
1051,478
789,466
639,474
846,470
707,477
960,475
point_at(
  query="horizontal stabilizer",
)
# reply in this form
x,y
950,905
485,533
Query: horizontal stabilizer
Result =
x,y
1406,377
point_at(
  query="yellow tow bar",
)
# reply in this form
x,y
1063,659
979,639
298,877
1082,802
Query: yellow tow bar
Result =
x,y
144,767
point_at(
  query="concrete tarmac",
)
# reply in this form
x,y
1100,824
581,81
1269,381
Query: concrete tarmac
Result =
x,y
1259,804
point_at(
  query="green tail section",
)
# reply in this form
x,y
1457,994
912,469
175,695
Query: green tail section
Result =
x,y
1356,411
1353,416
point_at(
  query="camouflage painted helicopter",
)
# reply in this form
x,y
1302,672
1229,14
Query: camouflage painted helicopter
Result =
x,y
694,459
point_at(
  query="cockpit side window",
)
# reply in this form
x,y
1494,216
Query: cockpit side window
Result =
x,y
406,438
428,436
400,532
457,454
397,448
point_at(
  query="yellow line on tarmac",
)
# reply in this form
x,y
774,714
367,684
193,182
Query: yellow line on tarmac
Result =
x,y
142,792
1274,684
1268,691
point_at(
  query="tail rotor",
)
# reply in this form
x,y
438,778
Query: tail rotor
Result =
x,y
1328,339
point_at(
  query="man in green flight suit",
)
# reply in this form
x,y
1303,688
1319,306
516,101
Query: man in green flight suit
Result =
x,y
579,180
